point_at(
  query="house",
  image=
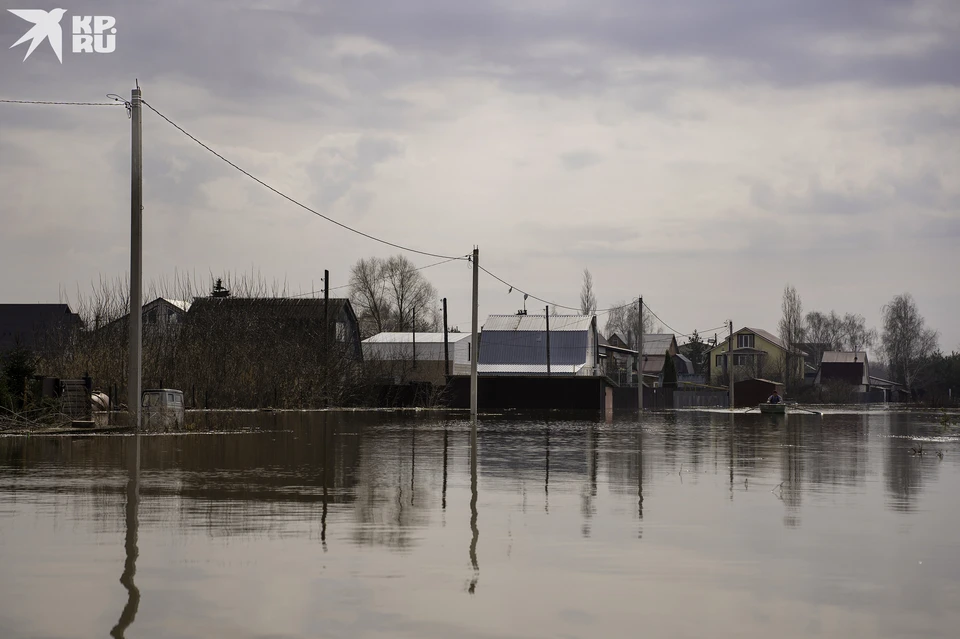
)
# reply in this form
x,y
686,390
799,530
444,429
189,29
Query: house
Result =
x,y
160,314
37,327
619,362
418,357
517,345
238,318
656,348
756,354
845,368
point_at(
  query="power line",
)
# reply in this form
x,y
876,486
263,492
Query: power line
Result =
x,y
51,102
676,332
385,278
554,304
292,200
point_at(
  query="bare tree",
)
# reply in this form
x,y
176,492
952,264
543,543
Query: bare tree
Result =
x,y
622,320
907,342
588,301
792,329
369,297
390,294
856,335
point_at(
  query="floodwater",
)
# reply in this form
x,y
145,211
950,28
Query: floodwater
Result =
x,y
385,525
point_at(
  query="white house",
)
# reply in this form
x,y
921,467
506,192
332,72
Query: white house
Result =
x,y
418,355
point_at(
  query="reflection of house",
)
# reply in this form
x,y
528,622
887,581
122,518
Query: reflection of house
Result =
x,y
417,356
756,353
843,368
38,327
517,345
304,318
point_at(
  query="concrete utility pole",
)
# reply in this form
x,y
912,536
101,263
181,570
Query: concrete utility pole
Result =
x,y
414,336
326,337
446,341
640,355
730,367
547,311
475,340
136,262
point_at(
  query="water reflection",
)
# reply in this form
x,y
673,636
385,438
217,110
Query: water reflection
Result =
x,y
376,489
132,520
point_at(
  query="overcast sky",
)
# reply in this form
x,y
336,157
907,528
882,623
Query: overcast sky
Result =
x,y
704,154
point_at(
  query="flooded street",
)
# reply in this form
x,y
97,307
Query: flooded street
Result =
x,y
382,525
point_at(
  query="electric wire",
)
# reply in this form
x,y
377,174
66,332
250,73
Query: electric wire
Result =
x,y
52,102
291,199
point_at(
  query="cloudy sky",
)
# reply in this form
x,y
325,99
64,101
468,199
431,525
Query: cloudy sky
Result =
x,y
701,153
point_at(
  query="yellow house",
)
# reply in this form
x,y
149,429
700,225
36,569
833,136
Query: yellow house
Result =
x,y
755,354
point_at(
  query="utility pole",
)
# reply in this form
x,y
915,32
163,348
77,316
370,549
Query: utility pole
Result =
x,y
730,367
475,341
446,341
547,311
136,262
326,337
414,336
640,355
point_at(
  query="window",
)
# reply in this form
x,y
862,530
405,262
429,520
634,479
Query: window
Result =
x,y
720,361
341,332
150,399
741,360
746,340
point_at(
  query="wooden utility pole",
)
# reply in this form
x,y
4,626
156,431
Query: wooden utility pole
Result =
x,y
446,341
475,341
547,311
640,354
136,262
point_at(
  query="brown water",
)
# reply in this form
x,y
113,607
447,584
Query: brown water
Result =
x,y
378,525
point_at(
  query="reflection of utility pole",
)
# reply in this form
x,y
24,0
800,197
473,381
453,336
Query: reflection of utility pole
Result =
x,y
546,475
443,498
472,588
324,477
129,612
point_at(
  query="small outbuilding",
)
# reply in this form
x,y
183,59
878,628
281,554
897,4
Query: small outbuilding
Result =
x,y
750,392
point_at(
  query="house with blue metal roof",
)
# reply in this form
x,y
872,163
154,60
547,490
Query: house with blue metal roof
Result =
x,y
562,345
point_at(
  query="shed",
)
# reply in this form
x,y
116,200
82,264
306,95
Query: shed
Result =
x,y
750,392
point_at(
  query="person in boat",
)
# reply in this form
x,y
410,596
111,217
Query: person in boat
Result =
x,y
775,398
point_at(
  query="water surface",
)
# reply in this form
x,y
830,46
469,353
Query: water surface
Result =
x,y
385,525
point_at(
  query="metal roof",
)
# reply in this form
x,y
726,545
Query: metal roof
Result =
x,y
655,343
528,369
530,347
407,338
558,323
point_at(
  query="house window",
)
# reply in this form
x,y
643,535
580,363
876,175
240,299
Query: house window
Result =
x,y
746,340
152,317
741,360
720,361
341,332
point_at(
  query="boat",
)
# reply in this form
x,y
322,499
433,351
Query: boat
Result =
x,y
774,409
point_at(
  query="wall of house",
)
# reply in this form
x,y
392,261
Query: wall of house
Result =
x,y
773,364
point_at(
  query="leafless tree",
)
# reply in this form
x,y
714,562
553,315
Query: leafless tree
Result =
x,y
392,295
856,335
792,329
622,320
907,342
588,301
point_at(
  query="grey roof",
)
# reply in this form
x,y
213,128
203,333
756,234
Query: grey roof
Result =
x,y
558,323
24,323
530,347
656,343
407,338
286,307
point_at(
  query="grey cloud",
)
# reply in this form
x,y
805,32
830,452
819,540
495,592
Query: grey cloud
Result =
x,y
576,160
339,171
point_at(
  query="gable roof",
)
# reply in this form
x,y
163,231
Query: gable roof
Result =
x,y
657,343
24,323
284,307
843,357
767,335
